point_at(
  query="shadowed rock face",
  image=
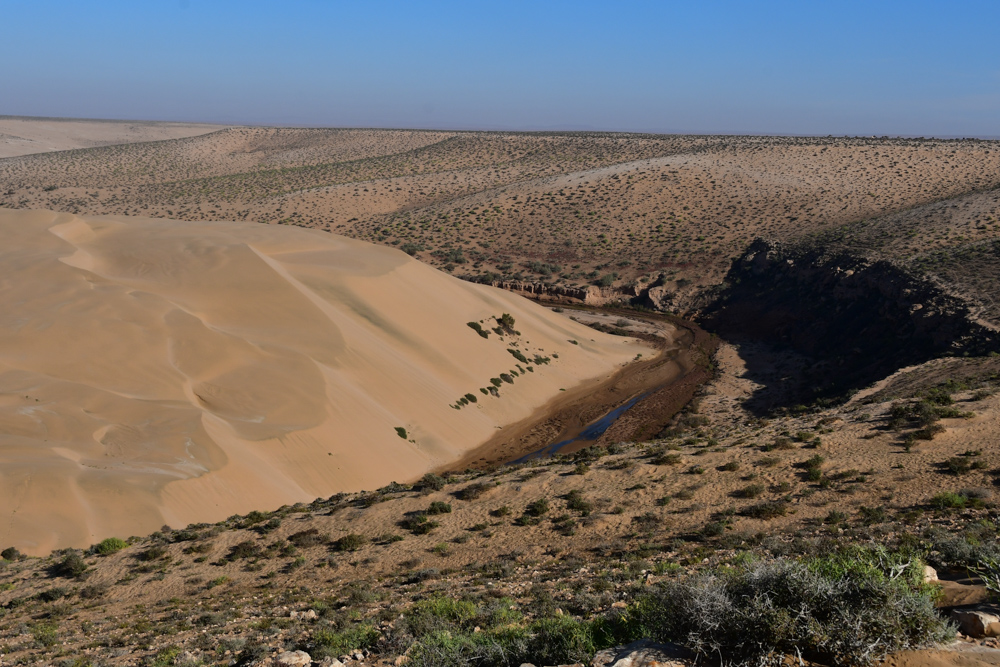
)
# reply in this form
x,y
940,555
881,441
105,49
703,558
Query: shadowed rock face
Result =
x,y
857,319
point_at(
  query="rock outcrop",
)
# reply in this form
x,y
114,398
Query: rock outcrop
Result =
x,y
858,318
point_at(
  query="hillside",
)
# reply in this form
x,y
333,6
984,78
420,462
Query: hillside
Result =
x,y
161,372
571,210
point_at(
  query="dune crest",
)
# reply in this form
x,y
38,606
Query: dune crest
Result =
x,y
154,371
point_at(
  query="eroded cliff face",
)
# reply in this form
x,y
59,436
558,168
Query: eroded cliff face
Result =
x,y
656,294
859,318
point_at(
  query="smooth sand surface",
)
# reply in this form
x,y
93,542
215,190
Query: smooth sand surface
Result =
x,y
25,136
154,371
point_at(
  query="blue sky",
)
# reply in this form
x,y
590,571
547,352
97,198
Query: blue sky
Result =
x,y
774,67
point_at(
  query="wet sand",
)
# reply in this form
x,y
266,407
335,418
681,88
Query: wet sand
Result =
x,y
669,380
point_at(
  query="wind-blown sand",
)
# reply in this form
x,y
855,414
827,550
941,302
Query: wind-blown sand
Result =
x,y
154,371
25,136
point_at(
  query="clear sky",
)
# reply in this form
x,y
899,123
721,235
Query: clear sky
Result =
x,y
753,66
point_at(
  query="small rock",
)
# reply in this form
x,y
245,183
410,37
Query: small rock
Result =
x,y
293,659
644,653
330,662
977,623
930,574
186,658
619,605
308,615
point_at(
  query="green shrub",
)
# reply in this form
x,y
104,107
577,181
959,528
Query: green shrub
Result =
x,y
751,491
72,565
474,491
328,642
432,482
771,509
11,553
537,508
351,542
401,432
419,524
758,613
110,545
948,500
478,328
438,507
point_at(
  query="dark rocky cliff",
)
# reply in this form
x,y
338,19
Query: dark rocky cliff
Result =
x,y
858,318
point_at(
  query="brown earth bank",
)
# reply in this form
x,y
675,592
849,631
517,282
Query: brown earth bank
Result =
x,y
661,386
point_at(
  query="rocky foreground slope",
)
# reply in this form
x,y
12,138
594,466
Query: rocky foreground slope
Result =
x,y
548,562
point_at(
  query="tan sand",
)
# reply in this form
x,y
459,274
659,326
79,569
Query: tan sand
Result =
x,y
158,372
25,136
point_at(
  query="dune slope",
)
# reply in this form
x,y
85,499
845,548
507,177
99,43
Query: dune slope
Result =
x,y
154,371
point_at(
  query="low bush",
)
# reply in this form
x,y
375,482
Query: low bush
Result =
x,y
438,507
770,509
432,482
351,542
759,613
473,491
109,546
331,643
70,566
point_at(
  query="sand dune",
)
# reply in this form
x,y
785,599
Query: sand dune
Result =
x,y
157,372
25,136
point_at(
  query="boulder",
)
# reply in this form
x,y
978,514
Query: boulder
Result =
x,y
930,574
293,659
644,653
977,623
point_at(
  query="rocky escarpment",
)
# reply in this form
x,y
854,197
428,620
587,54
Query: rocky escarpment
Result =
x,y
655,293
857,318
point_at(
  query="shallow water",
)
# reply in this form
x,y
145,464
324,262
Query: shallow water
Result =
x,y
591,433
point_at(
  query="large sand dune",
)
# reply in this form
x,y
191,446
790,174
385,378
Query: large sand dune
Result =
x,y
154,371
25,136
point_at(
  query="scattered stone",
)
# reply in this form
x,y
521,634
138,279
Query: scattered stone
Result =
x,y
293,659
976,623
644,653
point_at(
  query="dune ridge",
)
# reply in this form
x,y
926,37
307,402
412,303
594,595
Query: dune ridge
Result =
x,y
154,371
